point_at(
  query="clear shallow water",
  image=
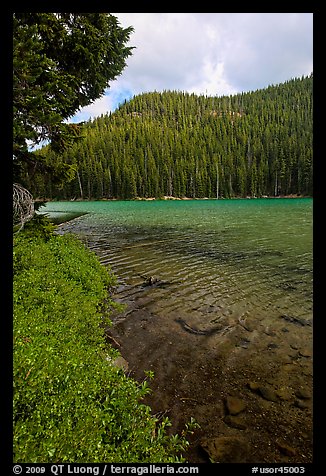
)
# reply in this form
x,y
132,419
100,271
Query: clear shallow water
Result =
x,y
240,257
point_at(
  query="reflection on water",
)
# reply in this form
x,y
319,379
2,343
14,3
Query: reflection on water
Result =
x,y
242,257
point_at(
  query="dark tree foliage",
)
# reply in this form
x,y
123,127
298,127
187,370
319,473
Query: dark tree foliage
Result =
x,y
183,145
61,62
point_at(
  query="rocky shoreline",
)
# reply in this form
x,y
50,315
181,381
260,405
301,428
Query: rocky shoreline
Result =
x,y
167,197
249,385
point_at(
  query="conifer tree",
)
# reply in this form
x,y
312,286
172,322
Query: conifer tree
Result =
x,y
61,62
180,144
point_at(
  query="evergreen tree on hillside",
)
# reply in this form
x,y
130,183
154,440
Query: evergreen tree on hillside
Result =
x,y
174,143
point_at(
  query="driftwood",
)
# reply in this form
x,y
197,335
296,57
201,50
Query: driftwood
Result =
x,y
296,320
152,281
194,330
23,206
113,339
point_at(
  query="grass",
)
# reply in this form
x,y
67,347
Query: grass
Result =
x,y
70,403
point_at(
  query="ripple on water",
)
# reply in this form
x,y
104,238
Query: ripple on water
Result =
x,y
256,257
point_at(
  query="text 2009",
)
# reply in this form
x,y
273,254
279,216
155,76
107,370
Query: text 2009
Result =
x,y
34,469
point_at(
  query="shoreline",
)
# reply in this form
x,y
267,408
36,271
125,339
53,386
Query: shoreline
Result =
x,y
168,198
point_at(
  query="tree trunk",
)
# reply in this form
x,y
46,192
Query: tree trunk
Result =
x,y
217,181
80,186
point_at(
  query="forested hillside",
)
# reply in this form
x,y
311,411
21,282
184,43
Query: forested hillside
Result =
x,y
184,145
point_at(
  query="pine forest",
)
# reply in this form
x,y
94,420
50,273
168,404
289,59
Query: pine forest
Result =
x,y
177,144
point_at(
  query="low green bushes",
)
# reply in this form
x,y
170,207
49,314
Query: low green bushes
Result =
x,y
70,403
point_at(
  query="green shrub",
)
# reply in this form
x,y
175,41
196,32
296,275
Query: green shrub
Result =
x,y
70,403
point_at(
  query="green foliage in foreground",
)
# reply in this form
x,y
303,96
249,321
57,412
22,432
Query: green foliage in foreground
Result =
x,y
70,403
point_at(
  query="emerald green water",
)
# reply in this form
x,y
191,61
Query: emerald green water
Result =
x,y
242,257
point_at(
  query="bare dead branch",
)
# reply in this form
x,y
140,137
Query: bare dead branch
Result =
x,y
23,206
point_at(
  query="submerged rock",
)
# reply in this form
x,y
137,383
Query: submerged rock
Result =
x,y
285,448
247,324
303,404
305,352
121,363
270,332
303,394
284,394
268,394
226,449
235,422
254,386
265,392
234,405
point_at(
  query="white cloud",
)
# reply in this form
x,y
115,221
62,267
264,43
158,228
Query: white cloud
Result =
x,y
98,107
210,53
175,51
267,48
254,49
213,81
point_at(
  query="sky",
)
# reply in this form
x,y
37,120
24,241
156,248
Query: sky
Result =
x,y
214,54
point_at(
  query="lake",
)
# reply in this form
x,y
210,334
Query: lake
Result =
x,y
218,304
244,256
